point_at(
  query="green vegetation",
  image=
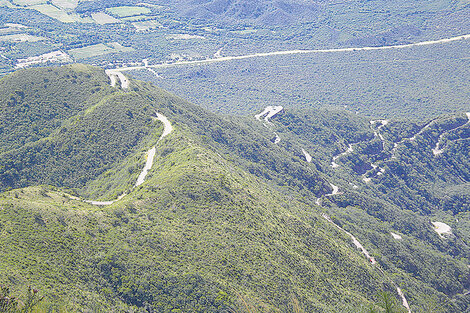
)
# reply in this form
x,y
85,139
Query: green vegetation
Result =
x,y
56,13
103,18
146,25
33,106
11,304
99,49
413,83
66,4
21,37
28,2
126,11
226,220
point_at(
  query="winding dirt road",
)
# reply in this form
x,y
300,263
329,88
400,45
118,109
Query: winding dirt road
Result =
x,y
437,149
269,112
167,129
150,155
336,157
114,75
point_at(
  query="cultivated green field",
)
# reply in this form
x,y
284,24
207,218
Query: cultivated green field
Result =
x,y
125,11
99,49
103,18
28,2
21,38
56,13
146,25
66,4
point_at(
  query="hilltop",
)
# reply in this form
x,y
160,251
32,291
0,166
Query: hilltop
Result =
x,y
232,210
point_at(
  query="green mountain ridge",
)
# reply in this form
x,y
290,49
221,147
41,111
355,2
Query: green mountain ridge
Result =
x,y
224,215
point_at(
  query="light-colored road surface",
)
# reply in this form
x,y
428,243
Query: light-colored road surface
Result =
x,y
335,190
378,134
167,129
114,75
413,138
371,260
147,167
307,155
382,124
218,54
354,239
293,52
403,299
437,149
336,157
151,70
269,112
442,228
350,149
103,203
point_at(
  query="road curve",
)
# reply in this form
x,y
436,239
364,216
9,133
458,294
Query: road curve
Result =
x,y
167,129
114,75
437,149
269,112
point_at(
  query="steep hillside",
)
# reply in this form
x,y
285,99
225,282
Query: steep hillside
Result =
x,y
203,213
389,169
34,103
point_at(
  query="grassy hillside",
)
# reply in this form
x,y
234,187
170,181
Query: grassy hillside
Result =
x,y
225,220
199,228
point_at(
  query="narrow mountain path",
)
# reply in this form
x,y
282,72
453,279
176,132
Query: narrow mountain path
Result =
x,y
150,155
307,155
371,260
167,129
413,138
350,148
294,52
354,239
437,149
382,123
377,170
335,191
151,70
377,134
218,53
336,157
269,112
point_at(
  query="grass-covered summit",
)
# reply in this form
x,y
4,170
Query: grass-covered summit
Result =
x,y
225,220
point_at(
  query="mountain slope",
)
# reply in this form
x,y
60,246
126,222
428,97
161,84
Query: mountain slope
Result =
x,y
226,214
